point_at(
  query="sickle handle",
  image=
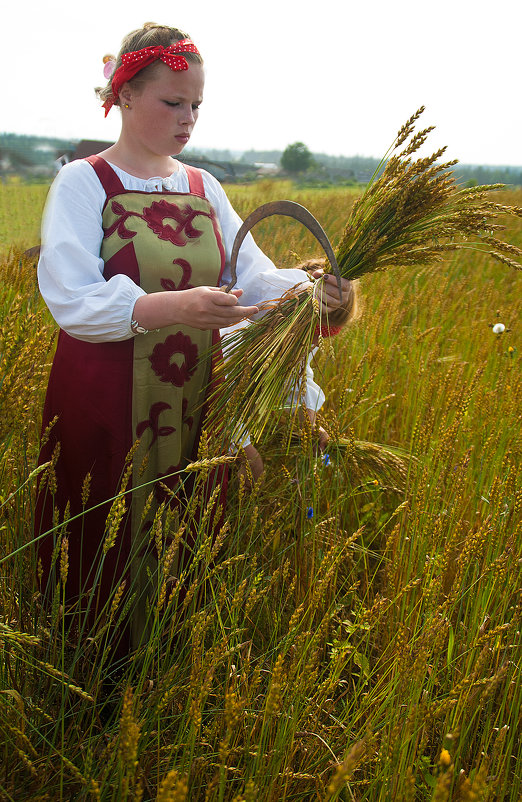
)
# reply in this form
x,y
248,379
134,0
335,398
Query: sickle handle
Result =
x,y
289,209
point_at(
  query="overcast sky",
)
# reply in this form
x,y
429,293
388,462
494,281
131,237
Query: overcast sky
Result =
x,y
341,76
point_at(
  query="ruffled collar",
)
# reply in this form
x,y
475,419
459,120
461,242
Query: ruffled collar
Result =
x,y
155,182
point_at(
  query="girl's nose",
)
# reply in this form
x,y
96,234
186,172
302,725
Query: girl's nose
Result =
x,y
188,116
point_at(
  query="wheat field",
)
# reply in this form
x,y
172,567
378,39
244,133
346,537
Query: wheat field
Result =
x,y
353,631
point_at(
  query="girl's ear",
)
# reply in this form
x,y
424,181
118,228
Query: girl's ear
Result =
x,y
125,93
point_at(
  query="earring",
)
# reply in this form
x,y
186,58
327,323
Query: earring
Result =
x,y
126,106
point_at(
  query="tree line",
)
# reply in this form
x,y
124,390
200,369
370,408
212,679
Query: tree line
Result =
x,y
29,155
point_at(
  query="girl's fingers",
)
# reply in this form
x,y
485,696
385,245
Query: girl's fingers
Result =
x,y
235,313
219,309
323,438
322,435
236,292
329,292
223,298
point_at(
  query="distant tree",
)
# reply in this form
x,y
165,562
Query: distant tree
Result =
x,y
296,158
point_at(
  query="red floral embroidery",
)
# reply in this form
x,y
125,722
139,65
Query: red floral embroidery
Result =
x,y
168,283
169,371
153,423
119,223
155,214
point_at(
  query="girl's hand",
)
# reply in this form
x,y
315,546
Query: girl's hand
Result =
x,y
251,464
200,307
327,292
322,434
213,308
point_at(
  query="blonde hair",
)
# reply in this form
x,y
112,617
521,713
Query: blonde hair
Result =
x,y
151,35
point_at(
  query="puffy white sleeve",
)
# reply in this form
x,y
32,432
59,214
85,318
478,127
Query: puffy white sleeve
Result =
x,y
70,270
314,397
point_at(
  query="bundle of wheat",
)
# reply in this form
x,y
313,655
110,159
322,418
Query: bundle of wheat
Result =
x,y
412,213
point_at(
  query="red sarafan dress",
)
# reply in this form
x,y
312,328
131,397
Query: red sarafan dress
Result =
x,y
105,396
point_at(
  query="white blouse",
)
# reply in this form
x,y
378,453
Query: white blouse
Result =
x,y
70,270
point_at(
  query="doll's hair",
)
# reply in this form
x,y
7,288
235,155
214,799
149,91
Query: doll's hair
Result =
x,y
344,314
151,35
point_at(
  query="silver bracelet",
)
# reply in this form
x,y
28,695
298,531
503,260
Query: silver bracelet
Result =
x,y
137,329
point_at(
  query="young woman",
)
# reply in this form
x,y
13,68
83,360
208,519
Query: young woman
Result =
x,y
135,252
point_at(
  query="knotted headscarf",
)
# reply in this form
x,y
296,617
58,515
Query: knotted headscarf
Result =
x,y
132,63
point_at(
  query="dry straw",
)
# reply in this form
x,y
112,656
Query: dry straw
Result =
x,y
412,213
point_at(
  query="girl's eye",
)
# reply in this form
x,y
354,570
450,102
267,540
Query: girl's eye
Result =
x,y
195,106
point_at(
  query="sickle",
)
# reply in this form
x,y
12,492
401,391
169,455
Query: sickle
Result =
x,y
289,209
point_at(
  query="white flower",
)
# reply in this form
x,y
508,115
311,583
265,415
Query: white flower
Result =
x,y
498,328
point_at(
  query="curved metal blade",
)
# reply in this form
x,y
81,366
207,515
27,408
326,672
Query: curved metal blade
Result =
x,y
289,209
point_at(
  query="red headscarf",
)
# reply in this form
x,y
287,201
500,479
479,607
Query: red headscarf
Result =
x,y
132,63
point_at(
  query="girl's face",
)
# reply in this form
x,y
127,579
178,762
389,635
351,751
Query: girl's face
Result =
x,y
163,110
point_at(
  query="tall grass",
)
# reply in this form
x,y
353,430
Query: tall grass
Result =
x,y
353,633
21,207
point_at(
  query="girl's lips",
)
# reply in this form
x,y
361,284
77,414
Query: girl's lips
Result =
x,y
183,137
